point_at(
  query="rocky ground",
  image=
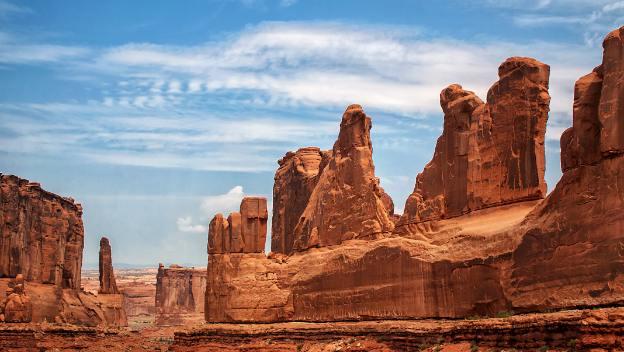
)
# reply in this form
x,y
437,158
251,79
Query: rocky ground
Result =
x,y
573,330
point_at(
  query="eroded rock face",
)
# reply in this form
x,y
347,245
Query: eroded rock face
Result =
x,y
489,153
295,179
495,245
108,285
573,253
180,295
347,201
41,234
242,232
16,307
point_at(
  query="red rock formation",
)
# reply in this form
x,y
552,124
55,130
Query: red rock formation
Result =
x,y
511,250
41,237
242,232
41,234
295,179
347,200
108,285
254,217
16,307
572,253
180,295
488,154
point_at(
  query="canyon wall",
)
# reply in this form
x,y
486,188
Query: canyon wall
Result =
x,y
41,234
180,295
41,242
573,250
490,153
477,237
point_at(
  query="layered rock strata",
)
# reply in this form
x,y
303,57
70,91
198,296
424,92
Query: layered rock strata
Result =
x,y
586,330
108,285
513,251
573,250
41,241
180,295
41,234
489,153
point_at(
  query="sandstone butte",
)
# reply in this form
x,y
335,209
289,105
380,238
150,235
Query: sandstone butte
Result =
x,y
41,243
479,236
180,295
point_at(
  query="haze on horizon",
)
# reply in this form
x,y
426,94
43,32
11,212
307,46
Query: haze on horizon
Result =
x,y
155,115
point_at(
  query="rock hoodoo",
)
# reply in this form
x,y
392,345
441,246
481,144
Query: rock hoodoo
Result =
x,y
180,295
489,153
346,202
295,179
42,235
108,285
496,245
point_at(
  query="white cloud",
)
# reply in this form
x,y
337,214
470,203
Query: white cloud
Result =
x,y
185,224
175,87
223,203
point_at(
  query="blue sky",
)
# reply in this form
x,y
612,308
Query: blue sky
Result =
x,y
157,114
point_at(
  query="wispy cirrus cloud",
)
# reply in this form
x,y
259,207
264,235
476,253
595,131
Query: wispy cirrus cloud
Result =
x,y
189,106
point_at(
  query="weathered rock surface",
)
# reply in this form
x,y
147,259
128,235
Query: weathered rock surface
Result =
x,y
495,246
576,330
180,295
346,202
242,232
16,306
108,285
489,154
41,238
41,234
295,179
573,250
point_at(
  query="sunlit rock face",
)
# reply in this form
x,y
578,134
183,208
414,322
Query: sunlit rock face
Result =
x,y
108,285
41,234
490,153
180,295
479,236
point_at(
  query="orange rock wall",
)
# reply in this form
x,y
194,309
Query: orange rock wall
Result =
x,y
489,154
41,234
180,295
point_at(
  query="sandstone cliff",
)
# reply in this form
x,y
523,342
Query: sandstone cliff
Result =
x,y
108,285
495,246
41,234
489,153
180,295
41,241
573,250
